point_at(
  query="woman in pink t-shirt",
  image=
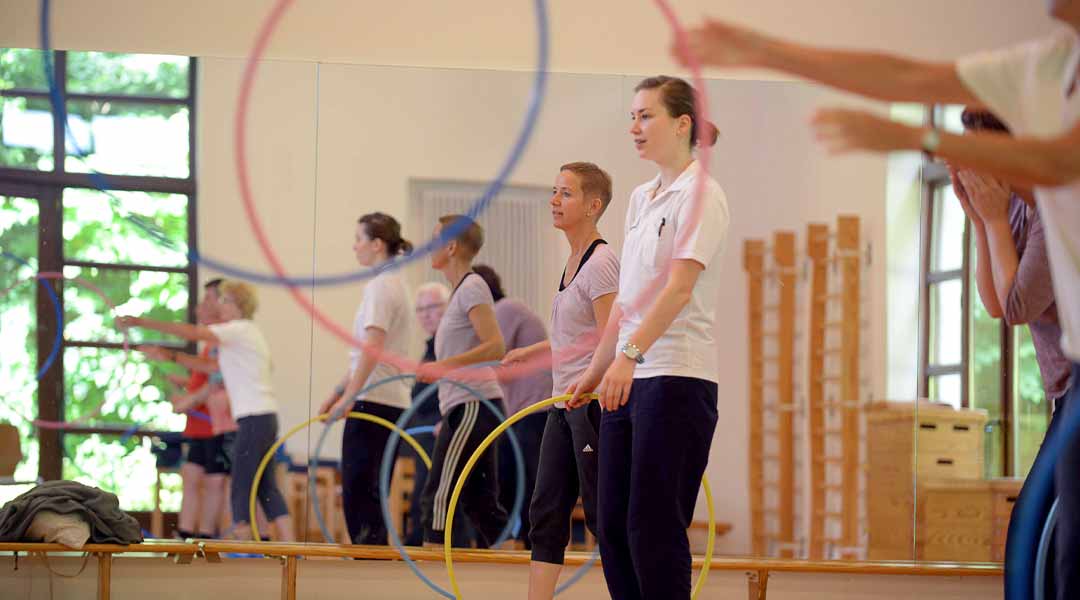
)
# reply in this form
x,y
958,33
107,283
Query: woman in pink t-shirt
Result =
x,y
579,313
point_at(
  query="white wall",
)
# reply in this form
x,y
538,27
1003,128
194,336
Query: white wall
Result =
x,y
379,126
282,167
599,36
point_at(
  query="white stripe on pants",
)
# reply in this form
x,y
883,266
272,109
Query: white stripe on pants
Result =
x,y
453,454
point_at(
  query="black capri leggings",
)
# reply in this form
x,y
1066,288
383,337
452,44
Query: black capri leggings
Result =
x,y
569,456
254,436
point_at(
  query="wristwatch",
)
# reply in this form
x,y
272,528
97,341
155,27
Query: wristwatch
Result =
x,y
633,353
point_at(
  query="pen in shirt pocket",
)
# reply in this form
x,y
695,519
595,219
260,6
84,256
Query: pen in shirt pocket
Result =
x,y
660,232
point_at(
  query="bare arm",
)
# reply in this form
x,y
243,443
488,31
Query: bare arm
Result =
x,y
607,317
526,352
376,339
1031,293
672,299
871,74
194,333
984,277
1020,161
491,346
602,307
602,358
605,350
1021,283
194,362
984,273
1004,261
183,403
191,362
335,395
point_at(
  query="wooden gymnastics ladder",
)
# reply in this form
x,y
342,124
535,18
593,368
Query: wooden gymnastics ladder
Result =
x,y
773,420
835,415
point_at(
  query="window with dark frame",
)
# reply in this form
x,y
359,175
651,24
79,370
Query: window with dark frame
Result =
x,y
131,125
967,358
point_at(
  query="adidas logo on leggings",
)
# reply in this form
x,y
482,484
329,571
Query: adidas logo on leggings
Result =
x,y
587,448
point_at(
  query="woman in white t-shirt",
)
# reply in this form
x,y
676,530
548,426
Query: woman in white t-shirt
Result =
x,y
383,323
579,313
656,373
244,361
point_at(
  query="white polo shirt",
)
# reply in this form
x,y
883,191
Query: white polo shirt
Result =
x,y
659,230
385,305
1027,86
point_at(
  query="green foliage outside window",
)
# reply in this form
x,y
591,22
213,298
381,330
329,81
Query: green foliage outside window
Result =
x,y
100,385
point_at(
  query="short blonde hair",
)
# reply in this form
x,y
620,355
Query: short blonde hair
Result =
x,y
595,182
243,296
471,237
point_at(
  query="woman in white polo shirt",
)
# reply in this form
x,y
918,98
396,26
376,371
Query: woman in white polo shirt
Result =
x,y
382,322
656,374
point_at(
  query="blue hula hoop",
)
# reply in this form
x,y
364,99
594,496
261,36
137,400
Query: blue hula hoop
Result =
x,y
387,462
55,300
519,498
450,233
1041,556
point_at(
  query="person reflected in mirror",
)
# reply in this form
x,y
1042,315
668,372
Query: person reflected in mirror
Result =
x,y
244,360
468,334
382,324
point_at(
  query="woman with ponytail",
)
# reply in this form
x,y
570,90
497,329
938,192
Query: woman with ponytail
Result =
x,y
656,372
382,323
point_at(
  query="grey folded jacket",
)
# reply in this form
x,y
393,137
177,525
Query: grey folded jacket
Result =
x,y
108,524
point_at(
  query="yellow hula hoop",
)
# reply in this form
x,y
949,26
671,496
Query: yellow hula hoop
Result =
x,y
270,454
460,484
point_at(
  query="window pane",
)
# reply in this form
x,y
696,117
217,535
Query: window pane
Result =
x,y
946,389
154,294
18,328
22,69
135,74
1032,412
946,319
947,241
26,133
128,227
106,386
128,138
985,383
125,467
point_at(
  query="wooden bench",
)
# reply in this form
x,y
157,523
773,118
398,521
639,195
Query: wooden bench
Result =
x,y
757,570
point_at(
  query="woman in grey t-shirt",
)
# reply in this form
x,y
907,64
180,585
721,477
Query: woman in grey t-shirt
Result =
x,y
468,334
579,313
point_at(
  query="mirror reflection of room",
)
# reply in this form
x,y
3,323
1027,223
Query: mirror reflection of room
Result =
x,y
747,299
